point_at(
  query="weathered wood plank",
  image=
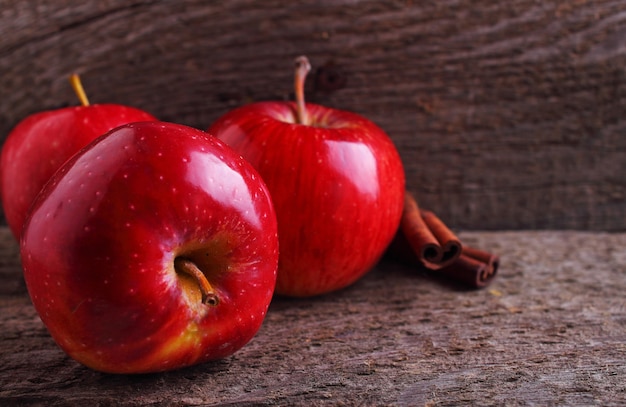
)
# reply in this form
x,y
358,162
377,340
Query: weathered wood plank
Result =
x,y
507,115
551,330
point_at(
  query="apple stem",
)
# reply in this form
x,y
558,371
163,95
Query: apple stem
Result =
x,y
78,89
209,297
302,68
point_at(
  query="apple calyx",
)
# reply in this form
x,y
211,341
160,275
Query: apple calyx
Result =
x,y
188,267
302,68
78,89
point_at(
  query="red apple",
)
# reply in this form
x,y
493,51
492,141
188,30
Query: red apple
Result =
x,y
153,248
337,184
42,142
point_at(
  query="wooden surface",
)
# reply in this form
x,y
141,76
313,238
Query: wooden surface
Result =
x,y
550,330
508,115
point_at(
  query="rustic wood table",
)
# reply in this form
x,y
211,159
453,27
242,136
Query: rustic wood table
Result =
x,y
550,330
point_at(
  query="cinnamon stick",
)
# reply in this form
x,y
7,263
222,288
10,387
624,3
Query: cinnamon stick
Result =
x,y
434,244
474,268
423,239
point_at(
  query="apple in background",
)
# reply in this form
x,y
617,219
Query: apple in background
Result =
x,y
335,178
153,248
42,142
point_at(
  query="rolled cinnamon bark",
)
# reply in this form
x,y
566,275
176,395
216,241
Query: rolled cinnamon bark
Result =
x,y
428,237
423,239
474,268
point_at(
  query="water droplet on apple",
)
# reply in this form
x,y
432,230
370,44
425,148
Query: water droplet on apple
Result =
x,y
86,228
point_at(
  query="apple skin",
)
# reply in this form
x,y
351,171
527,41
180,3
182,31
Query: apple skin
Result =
x,y
337,187
42,142
99,247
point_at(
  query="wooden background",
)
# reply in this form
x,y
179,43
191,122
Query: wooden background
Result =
x,y
508,114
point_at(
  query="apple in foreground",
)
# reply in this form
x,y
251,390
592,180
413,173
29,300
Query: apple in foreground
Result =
x,y
336,180
153,248
42,142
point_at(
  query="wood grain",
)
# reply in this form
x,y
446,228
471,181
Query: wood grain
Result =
x,y
550,330
508,115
